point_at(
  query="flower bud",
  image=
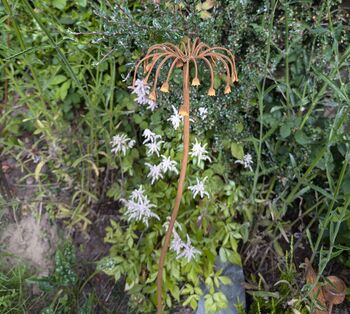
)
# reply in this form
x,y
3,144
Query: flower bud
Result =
x,y
211,91
227,89
153,95
196,82
165,87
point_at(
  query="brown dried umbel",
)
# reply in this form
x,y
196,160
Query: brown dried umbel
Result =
x,y
183,56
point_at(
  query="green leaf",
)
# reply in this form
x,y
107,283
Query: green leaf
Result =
x,y
223,255
193,303
63,90
58,79
59,4
234,257
285,130
225,280
175,292
220,300
346,186
209,304
82,3
237,150
301,138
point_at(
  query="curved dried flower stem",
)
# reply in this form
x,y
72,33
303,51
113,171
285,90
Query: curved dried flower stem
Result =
x,y
230,61
195,67
139,63
198,48
222,56
182,56
158,71
183,46
195,44
211,70
227,68
171,69
155,60
169,46
232,58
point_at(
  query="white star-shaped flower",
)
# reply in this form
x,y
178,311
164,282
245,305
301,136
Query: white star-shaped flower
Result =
x,y
121,143
153,148
138,194
199,188
139,207
142,90
131,143
176,244
155,172
199,152
152,105
175,118
176,225
246,162
168,165
150,136
203,112
188,251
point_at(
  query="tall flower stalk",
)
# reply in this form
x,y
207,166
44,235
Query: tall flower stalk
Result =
x,y
182,56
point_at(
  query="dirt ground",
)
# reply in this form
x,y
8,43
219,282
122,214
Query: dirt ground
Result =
x,y
33,240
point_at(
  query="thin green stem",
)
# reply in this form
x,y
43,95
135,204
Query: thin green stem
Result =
x,y
261,102
329,214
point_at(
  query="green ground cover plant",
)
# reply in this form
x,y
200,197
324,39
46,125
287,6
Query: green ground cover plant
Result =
x,y
67,67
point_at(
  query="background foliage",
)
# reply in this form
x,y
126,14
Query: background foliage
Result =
x,y
68,66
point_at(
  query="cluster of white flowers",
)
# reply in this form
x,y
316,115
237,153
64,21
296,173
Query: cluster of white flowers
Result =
x,y
153,142
139,207
175,118
142,91
199,188
203,113
199,152
121,143
183,249
247,162
156,172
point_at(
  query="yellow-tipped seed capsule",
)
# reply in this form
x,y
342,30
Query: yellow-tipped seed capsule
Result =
x,y
153,96
227,89
165,87
196,82
211,91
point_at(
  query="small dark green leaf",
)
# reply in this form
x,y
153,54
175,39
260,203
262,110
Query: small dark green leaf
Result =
x,y
301,138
